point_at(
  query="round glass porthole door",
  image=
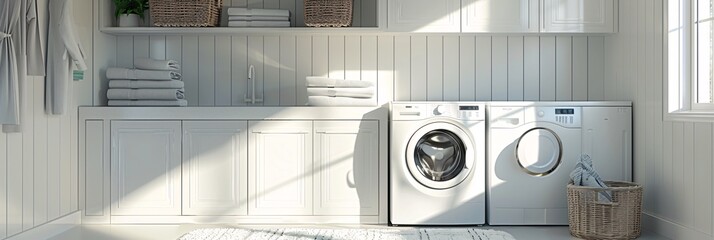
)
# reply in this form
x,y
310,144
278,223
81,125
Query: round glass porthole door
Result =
x,y
439,155
539,151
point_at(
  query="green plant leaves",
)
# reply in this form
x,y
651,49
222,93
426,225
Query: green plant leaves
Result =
x,y
130,7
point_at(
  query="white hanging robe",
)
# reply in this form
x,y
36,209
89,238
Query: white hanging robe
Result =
x,y
63,52
21,52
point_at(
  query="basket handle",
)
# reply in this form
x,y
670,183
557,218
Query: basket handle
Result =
x,y
610,204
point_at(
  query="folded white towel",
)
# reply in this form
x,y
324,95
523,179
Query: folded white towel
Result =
x,y
336,83
258,12
145,94
154,64
259,23
137,74
340,101
367,92
173,84
258,18
149,103
585,175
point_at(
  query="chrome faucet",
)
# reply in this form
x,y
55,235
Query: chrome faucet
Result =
x,y
251,78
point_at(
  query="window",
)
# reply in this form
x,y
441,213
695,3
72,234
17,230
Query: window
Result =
x,y
703,74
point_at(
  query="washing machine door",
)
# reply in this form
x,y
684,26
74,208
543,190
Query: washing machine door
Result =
x,y
440,155
539,151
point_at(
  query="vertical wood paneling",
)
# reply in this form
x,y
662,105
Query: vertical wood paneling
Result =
x,y
703,177
434,68
254,4
206,71
385,68
531,71
256,59
564,69
336,56
483,69
467,61
547,68
174,49
125,58
515,68
157,47
596,73
320,56
353,55
26,202
499,68
65,165
271,72
452,56
3,186
223,69
239,74
40,163
418,68
580,69
402,68
304,67
271,4
683,176
189,66
369,60
288,52
141,47
53,166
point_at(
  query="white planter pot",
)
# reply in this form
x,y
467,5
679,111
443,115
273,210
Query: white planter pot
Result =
x,y
129,20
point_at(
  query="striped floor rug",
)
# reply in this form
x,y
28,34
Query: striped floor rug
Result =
x,y
346,234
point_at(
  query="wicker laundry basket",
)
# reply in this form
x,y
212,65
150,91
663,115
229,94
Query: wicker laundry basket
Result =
x,y
328,13
592,219
185,13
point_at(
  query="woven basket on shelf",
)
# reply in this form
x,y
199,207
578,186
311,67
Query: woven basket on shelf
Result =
x,y
185,13
592,219
328,13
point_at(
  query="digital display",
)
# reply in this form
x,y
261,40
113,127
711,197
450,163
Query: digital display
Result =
x,y
566,111
468,108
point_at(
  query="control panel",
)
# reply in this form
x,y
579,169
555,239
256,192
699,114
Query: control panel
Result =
x,y
515,116
418,111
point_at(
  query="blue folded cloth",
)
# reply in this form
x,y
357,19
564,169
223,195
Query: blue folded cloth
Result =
x,y
585,175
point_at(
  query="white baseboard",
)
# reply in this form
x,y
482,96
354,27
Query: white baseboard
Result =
x,y
671,230
51,228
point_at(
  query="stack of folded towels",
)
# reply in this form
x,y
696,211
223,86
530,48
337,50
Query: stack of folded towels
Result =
x,y
323,91
150,83
247,17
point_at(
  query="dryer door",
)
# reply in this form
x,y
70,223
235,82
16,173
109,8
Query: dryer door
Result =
x,y
539,151
440,155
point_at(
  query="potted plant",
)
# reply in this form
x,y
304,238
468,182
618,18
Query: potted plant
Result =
x,y
129,13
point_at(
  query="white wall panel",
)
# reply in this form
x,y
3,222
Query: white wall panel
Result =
x,y
547,68
499,67
402,68
206,70
239,68
189,69
418,68
452,56
288,55
515,68
369,60
223,71
435,68
483,84
531,70
580,69
385,68
467,63
271,72
564,69
304,67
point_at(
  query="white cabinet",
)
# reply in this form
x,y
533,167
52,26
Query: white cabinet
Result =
x,y
280,168
346,171
146,168
424,16
215,162
500,15
576,16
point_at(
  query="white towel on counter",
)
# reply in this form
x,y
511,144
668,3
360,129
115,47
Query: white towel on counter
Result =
x,y
145,94
258,18
137,74
259,23
173,84
154,64
258,12
340,101
149,103
336,83
367,92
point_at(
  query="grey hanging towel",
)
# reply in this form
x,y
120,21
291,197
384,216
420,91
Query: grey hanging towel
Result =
x,y
63,53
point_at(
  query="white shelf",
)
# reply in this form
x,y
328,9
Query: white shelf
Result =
x,y
233,30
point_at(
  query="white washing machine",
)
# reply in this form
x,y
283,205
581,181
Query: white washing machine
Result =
x,y
437,163
533,147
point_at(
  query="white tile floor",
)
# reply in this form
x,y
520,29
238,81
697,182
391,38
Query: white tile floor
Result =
x,y
152,232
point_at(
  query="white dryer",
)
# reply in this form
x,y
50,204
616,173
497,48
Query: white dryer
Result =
x,y
532,150
437,163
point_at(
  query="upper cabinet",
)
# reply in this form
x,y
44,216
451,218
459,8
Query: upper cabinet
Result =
x,y
424,15
578,16
502,16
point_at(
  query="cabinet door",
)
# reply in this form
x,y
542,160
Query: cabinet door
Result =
x,y
145,168
500,16
424,16
347,171
588,16
215,174
280,163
